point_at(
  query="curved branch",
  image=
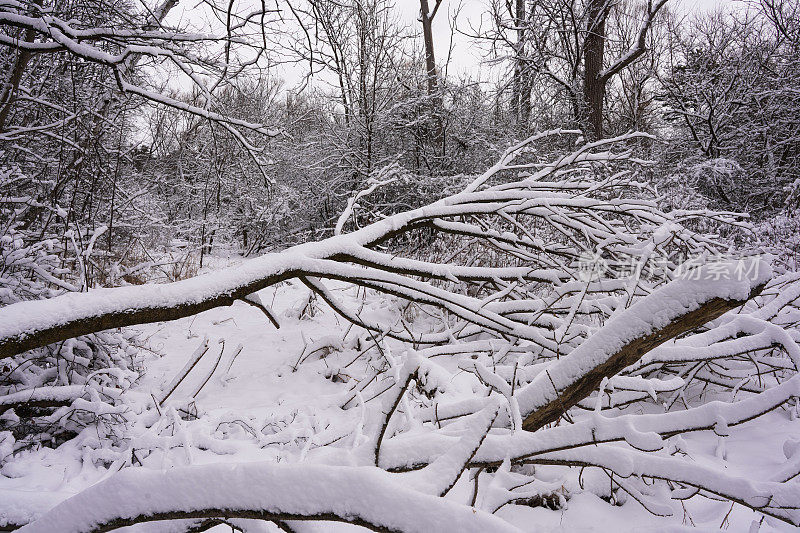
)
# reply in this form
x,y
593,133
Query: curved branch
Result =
x,y
364,496
672,310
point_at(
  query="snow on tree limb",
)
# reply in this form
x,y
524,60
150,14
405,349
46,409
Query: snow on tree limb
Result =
x,y
539,335
775,499
120,50
49,396
408,452
638,49
680,306
364,496
533,338
28,325
676,308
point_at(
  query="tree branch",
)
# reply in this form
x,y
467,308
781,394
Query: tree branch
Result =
x,y
638,48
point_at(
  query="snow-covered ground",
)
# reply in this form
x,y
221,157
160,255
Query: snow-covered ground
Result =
x,y
275,396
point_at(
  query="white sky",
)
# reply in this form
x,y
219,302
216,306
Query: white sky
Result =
x,y
465,55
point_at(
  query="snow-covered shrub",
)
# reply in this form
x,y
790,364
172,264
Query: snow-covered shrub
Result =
x,y
51,393
730,99
694,181
780,235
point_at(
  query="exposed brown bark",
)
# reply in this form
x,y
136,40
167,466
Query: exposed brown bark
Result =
x,y
34,404
594,86
102,321
595,77
426,17
218,514
256,302
626,356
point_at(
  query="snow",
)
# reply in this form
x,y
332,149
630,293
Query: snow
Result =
x,y
83,312
251,490
644,317
403,409
293,413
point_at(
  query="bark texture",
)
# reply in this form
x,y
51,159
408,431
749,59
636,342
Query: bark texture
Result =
x,y
628,355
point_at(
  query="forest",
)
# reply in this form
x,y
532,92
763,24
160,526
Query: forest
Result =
x,y
399,266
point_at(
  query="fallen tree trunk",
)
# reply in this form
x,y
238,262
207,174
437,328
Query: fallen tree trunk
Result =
x,y
681,306
34,324
365,496
547,398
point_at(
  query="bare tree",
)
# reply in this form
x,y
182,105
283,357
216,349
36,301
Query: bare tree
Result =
x,y
597,72
729,90
121,50
565,43
426,16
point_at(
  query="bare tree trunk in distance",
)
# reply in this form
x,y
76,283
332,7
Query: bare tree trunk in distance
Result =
x,y
521,105
595,77
594,86
426,17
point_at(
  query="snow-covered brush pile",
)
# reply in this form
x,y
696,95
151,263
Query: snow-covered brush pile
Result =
x,y
51,393
566,338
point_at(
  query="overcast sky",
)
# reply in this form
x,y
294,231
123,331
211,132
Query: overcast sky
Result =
x,y
465,55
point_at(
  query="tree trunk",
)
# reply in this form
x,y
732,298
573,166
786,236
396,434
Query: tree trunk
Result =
x,y
594,86
10,87
426,16
521,105
430,57
630,353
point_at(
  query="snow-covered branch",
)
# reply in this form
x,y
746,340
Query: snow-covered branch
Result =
x,y
576,210
365,496
578,297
